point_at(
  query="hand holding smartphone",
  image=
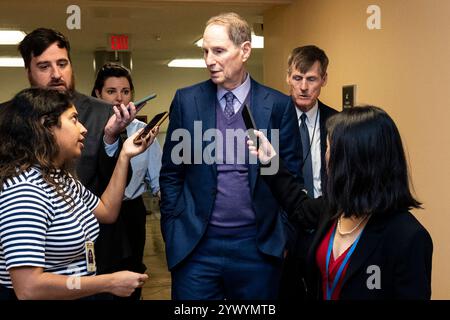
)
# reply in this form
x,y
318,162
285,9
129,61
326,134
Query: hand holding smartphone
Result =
x,y
141,103
156,121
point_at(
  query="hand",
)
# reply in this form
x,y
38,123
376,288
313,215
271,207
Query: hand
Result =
x,y
124,282
265,152
119,121
130,149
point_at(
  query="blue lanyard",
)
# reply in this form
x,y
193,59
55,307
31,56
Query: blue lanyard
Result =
x,y
341,268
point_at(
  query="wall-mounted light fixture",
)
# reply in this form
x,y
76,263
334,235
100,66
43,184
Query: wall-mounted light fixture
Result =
x,y
11,62
187,63
11,37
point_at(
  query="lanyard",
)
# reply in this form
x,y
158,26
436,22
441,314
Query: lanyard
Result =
x,y
341,268
312,138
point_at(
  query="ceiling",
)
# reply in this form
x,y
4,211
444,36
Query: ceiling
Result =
x,y
160,30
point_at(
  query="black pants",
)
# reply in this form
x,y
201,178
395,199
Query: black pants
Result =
x,y
293,284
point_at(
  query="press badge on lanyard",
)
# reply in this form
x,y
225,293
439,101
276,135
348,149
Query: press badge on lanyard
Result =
x,y
90,256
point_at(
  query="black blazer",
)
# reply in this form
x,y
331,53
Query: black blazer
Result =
x,y
395,244
325,112
292,285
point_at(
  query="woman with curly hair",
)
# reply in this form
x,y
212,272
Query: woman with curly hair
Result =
x,y
48,219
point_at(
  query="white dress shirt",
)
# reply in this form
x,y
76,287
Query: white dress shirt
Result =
x,y
313,124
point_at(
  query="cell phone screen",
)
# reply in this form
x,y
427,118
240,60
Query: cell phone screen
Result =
x,y
156,121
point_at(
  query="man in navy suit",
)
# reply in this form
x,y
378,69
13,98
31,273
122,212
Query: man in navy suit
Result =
x,y
307,75
223,230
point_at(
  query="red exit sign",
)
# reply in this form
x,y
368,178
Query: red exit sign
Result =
x,y
118,42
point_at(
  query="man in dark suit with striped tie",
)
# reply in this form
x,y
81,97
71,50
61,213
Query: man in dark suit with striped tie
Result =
x,y
307,74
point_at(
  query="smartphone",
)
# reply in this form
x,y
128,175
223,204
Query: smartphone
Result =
x,y
156,121
141,103
249,124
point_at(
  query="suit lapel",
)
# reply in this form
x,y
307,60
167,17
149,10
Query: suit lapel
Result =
x,y
323,227
320,233
260,105
323,144
369,240
205,101
261,108
323,132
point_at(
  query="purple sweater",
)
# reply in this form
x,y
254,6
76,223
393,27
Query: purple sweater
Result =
x,y
233,204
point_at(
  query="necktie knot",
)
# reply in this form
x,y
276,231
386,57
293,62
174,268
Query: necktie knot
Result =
x,y
229,108
303,118
229,97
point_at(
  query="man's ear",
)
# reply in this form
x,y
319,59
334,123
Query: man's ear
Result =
x,y
97,93
288,81
28,72
325,80
246,48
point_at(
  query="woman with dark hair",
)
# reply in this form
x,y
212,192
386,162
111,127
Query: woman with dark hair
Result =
x,y
121,246
48,219
367,245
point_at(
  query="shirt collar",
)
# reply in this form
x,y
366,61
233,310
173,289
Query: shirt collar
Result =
x,y
310,115
240,92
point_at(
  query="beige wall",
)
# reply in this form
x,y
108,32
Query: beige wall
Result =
x,y
12,80
404,68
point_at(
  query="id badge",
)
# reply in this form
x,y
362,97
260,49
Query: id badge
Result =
x,y
90,256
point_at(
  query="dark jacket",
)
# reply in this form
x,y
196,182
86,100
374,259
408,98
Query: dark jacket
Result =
x,y
95,167
325,113
94,170
292,286
395,243
189,190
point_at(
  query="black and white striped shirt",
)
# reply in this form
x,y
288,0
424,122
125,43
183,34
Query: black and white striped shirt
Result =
x,y
38,228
